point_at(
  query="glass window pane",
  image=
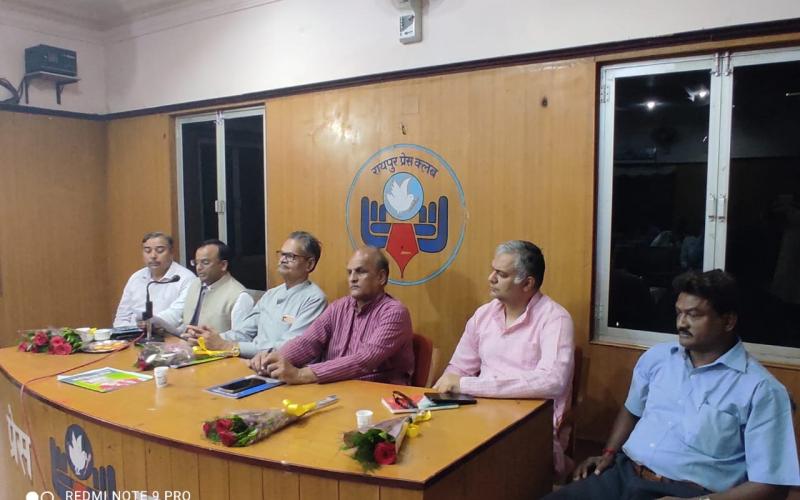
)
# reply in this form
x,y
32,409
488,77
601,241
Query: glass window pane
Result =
x,y
659,194
763,242
199,183
244,162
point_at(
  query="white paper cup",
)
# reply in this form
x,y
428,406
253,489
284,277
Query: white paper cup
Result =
x,y
85,333
363,419
160,373
102,334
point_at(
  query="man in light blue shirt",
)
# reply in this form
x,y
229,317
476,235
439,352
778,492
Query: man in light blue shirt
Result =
x,y
703,419
284,312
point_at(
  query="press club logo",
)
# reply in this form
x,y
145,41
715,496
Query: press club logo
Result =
x,y
73,468
407,200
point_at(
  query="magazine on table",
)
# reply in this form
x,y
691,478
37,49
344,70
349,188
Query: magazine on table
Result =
x,y
104,379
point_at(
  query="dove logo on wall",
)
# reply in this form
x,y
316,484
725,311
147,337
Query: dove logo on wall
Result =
x,y
77,460
408,200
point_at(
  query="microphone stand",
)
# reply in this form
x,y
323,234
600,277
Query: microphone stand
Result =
x,y
148,306
148,315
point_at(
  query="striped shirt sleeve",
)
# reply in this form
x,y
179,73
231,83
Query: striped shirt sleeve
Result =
x,y
310,345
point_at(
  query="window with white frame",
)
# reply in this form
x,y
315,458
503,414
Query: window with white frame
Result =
x,y
699,168
220,159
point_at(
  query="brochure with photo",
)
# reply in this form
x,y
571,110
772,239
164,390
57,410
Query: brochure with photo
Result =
x,y
104,379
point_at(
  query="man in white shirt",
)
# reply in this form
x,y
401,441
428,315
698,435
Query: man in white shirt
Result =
x,y
215,299
167,298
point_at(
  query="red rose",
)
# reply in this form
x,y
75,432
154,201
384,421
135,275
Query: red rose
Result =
x,y
61,349
206,428
23,346
385,453
57,340
228,438
224,424
40,339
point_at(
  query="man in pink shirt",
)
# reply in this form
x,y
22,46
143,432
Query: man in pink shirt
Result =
x,y
365,336
519,345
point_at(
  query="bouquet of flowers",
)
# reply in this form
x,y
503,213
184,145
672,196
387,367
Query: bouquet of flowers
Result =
x,y
380,444
55,341
243,428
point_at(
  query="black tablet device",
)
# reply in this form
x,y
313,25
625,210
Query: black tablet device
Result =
x,y
242,385
448,398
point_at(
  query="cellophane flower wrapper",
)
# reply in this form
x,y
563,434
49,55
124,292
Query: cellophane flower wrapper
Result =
x,y
243,428
369,446
156,354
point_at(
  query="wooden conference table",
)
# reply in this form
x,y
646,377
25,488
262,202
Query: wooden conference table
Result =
x,y
143,438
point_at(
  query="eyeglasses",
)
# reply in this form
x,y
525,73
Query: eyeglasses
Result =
x,y
289,256
201,262
403,401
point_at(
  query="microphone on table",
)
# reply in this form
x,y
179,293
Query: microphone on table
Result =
x,y
148,304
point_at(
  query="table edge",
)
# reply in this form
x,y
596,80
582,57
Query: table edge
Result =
x,y
283,467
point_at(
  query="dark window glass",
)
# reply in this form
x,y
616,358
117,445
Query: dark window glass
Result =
x,y
199,183
244,160
763,242
659,194
244,180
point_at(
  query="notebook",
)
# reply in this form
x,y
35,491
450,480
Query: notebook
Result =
x,y
420,400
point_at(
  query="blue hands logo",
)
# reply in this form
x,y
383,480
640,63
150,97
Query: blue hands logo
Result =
x,y
393,212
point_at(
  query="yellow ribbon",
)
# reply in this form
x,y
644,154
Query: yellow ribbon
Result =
x,y
422,416
296,409
202,350
413,428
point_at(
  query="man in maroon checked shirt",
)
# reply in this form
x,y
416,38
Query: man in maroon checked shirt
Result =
x,y
366,335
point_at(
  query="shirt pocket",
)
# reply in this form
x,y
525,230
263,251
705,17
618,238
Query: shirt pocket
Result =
x,y
712,432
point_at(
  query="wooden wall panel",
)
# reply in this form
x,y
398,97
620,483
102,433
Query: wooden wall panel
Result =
x,y
141,193
527,172
280,485
52,208
358,491
526,169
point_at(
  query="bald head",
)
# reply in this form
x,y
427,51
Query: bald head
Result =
x,y
367,274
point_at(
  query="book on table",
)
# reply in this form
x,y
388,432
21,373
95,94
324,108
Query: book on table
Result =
x,y
419,400
104,379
